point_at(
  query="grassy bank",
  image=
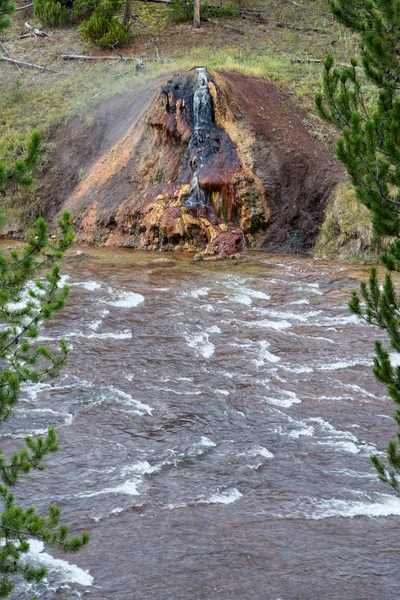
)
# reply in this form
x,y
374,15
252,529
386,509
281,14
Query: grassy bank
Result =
x,y
346,233
42,100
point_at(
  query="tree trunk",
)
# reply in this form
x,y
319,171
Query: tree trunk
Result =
x,y
196,15
127,12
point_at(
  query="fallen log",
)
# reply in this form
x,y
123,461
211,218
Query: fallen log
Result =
x,y
111,57
229,27
316,61
9,55
26,64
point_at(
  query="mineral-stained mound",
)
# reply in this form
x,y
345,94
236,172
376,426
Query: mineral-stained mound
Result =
x,y
214,163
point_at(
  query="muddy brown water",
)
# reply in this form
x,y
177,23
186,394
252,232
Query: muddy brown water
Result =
x,y
215,422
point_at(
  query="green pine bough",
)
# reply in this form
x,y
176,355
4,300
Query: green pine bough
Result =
x,y
30,293
370,150
21,171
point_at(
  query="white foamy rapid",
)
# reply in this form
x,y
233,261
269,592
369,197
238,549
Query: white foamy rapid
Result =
x,y
123,398
344,364
338,440
130,487
296,369
60,570
32,390
127,488
266,324
90,286
395,359
383,505
286,400
261,451
225,497
285,315
198,293
109,335
242,299
302,431
257,294
258,451
206,442
123,299
265,355
300,302
201,447
201,341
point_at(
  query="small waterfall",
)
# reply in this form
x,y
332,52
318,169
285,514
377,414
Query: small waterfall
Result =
x,y
202,105
203,120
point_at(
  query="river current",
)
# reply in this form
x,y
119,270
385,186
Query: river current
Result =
x,y
215,421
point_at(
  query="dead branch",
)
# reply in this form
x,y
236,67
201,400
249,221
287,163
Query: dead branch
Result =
x,y
26,64
229,27
316,61
259,19
9,55
24,7
98,94
33,31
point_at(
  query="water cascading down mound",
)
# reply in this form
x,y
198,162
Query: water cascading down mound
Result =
x,y
203,122
176,180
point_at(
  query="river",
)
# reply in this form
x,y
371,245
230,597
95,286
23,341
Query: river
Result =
x,y
215,421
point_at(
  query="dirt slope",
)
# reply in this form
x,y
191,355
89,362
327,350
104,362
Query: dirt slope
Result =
x,y
298,170
80,143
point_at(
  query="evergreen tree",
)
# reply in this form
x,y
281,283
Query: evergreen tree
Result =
x,y
103,27
6,10
370,150
27,299
101,22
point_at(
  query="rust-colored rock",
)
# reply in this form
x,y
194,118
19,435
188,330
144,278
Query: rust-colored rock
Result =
x,y
250,174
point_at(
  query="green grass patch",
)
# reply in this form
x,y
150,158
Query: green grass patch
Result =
x,y
347,229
